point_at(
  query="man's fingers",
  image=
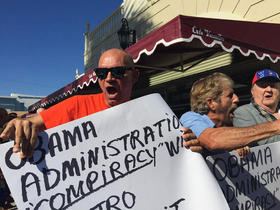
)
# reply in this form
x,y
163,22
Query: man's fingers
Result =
x,y
33,140
9,129
246,150
26,128
18,137
29,139
190,140
25,138
186,130
193,142
188,136
240,153
196,149
243,151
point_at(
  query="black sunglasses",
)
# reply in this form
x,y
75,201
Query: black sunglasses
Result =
x,y
117,72
264,83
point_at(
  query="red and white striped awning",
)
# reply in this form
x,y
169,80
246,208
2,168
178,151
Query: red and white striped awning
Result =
x,y
68,90
186,39
194,35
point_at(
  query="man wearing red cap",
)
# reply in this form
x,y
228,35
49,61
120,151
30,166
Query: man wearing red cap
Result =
x,y
264,104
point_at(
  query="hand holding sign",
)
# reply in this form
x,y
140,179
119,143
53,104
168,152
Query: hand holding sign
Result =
x,y
243,151
191,141
24,132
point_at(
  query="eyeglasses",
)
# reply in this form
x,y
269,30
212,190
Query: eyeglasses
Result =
x,y
117,72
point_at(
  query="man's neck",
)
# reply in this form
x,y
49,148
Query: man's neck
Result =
x,y
271,109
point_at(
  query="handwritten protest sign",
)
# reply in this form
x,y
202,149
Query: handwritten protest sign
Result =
x,y
127,157
252,183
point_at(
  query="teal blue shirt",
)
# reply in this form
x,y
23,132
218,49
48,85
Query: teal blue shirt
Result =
x,y
196,122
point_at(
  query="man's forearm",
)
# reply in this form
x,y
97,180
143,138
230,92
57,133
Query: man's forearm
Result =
x,y
228,138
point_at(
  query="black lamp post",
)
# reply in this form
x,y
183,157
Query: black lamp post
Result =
x,y
126,36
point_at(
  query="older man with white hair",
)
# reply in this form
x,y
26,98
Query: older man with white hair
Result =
x,y
264,104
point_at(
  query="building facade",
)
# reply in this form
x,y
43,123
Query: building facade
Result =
x,y
146,16
171,71
18,102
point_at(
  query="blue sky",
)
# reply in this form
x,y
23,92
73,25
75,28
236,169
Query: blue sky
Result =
x,y
42,42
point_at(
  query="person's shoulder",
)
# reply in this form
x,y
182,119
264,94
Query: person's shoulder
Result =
x,y
244,108
196,122
190,117
246,115
190,114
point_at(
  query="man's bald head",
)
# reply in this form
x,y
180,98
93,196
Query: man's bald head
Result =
x,y
117,90
116,56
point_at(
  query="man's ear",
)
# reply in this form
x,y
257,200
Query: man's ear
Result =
x,y
211,104
135,76
252,90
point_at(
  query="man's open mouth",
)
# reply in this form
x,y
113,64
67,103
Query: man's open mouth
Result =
x,y
111,90
268,96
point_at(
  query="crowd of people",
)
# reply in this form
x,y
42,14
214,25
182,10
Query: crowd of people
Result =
x,y
213,125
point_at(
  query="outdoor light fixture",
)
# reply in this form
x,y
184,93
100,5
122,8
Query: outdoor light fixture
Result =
x,y
127,37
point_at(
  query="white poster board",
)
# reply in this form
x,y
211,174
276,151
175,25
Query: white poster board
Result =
x,y
126,157
252,182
